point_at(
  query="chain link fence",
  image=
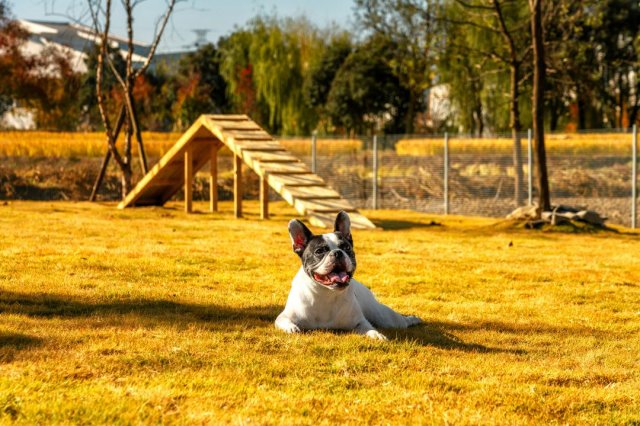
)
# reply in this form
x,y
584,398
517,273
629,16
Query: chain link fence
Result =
x,y
478,176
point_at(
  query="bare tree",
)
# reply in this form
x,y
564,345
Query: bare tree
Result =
x,y
539,71
100,12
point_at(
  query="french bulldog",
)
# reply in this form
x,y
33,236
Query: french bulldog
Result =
x,y
324,294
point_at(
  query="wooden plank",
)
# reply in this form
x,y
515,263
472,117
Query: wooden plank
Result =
x,y
237,186
282,168
322,206
255,146
188,179
277,182
269,156
264,198
249,136
308,192
228,117
213,180
236,125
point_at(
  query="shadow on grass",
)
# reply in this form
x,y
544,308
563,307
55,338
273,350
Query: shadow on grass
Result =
x,y
157,311
436,334
11,343
18,341
440,334
399,225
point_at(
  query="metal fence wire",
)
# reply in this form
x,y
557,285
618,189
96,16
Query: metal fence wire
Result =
x,y
470,176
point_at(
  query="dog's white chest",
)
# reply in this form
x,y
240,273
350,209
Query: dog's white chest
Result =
x,y
318,308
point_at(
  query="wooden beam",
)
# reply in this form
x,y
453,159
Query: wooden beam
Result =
x,y
264,198
237,186
188,178
213,180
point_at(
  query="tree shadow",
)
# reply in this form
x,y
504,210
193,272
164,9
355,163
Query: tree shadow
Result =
x,y
399,225
440,334
148,311
436,335
11,343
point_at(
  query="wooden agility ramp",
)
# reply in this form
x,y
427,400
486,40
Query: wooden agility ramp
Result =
x,y
307,192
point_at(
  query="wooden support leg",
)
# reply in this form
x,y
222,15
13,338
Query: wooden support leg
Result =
x,y
213,180
188,179
237,186
264,198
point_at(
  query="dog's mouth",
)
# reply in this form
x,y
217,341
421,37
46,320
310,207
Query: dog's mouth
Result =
x,y
335,278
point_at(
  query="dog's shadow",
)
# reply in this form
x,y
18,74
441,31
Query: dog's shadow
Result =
x,y
435,334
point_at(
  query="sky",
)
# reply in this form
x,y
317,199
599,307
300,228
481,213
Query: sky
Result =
x,y
218,16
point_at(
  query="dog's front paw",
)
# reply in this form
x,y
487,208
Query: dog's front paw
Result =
x,y
413,320
291,328
376,335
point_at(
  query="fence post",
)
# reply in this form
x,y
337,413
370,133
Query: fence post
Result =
x,y
375,172
446,173
634,178
314,157
530,166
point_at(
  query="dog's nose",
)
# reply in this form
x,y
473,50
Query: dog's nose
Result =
x,y
338,254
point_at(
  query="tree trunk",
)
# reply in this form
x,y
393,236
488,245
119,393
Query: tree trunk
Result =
x,y
126,179
544,201
515,132
411,112
580,104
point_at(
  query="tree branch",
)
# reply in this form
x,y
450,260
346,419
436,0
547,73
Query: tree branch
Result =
x,y
152,51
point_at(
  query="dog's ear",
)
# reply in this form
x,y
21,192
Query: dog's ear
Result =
x,y
300,236
343,226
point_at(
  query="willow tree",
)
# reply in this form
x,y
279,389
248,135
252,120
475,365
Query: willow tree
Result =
x,y
265,66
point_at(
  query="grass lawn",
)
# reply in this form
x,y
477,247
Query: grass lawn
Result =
x,y
152,316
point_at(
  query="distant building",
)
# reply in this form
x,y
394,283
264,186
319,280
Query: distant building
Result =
x,y
75,40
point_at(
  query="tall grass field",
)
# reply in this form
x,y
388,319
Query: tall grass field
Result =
x,y
93,144
153,316
558,144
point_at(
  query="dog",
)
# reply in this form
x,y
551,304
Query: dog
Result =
x,y
324,294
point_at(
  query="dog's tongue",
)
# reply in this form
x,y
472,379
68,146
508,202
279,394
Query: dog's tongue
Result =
x,y
340,277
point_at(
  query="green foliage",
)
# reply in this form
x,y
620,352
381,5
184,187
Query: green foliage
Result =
x,y
322,74
477,61
410,26
365,91
201,89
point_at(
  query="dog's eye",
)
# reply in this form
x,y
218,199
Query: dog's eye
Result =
x,y
321,250
345,247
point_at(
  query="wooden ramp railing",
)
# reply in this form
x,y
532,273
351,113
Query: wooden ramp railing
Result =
x,y
307,192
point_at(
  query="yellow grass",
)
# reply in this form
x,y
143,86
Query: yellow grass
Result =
x,y
75,144
563,144
92,144
323,146
153,316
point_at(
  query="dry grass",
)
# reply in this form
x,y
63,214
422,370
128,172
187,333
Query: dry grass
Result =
x,y
560,144
152,316
302,146
75,144
92,144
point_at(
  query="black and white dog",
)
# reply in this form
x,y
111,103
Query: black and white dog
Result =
x,y
324,294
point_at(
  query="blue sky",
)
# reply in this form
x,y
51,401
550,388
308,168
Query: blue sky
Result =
x,y
218,16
